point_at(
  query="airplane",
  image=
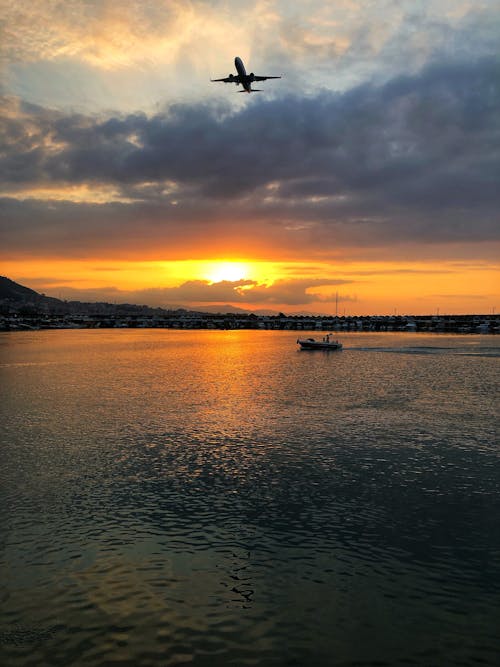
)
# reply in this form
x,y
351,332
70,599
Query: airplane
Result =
x,y
245,79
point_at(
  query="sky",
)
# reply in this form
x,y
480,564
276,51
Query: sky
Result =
x,y
365,181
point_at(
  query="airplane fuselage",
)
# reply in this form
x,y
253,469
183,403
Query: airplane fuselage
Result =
x,y
246,81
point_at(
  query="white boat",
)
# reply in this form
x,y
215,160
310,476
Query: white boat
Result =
x,y
324,344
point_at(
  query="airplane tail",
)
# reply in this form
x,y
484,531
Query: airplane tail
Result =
x,y
252,90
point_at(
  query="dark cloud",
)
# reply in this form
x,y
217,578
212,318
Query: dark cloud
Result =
x,y
282,292
204,291
200,292
294,292
413,161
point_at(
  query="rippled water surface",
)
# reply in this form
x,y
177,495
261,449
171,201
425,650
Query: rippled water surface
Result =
x,y
221,498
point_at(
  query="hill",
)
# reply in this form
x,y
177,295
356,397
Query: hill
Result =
x,y
11,291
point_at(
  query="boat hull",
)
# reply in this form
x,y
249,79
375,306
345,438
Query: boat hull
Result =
x,y
311,344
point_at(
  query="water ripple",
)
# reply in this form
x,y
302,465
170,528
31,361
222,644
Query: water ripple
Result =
x,y
248,505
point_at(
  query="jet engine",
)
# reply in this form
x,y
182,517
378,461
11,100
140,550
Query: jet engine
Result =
x,y
230,76
251,76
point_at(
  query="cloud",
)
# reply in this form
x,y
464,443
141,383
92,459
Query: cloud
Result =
x,y
411,162
281,292
102,33
338,45
97,54
293,292
198,293
165,41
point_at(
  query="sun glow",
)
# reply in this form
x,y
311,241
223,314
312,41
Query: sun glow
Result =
x,y
230,271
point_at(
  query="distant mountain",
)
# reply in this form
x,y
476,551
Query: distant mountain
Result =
x,y
14,296
15,292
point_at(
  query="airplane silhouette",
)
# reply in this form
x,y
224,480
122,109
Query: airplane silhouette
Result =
x,y
243,78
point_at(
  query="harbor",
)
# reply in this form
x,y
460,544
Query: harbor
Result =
x,y
134,317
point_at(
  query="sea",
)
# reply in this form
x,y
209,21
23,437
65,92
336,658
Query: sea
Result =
x,y
217,498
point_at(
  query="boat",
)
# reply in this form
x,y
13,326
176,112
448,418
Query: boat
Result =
x,y
324,344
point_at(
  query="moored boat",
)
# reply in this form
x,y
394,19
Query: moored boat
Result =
x,y
324,344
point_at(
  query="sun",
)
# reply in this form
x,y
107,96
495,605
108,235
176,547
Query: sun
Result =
x,y
227,270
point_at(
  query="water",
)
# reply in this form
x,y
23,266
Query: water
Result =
x,y
221,498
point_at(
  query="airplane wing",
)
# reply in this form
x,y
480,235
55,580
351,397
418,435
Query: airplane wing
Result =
x,y
263,78
229,79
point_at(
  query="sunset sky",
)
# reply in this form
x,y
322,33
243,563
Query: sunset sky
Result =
x,y
369,173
